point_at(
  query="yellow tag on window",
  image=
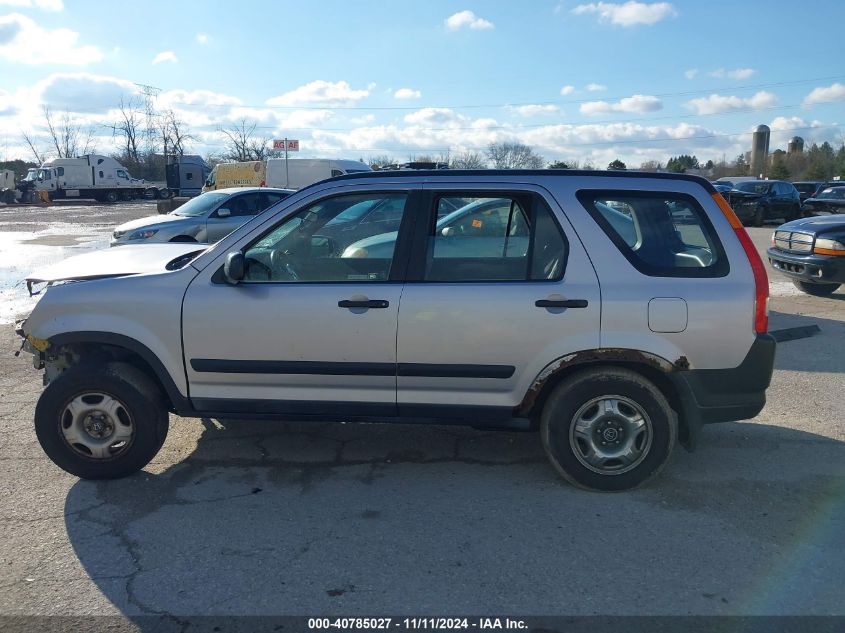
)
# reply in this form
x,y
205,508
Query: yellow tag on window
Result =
x,y
476,224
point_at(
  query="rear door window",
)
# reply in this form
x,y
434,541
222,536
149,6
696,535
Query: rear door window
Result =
x,y
661,234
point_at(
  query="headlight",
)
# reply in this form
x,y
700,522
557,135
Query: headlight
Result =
x,y
826,246
143,234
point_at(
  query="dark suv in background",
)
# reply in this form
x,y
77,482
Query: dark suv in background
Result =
x,y
755,201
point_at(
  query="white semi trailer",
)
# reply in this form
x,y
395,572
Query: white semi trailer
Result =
x,y
92,176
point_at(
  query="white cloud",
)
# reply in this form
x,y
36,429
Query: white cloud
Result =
x,y
83,92
534,109
22,40
434,116
635,103
715,103
691,73
176,98
567,90
165,56
467,19
630,13
321,92
736,73
407,93
596,87
202,38
46,5
834,92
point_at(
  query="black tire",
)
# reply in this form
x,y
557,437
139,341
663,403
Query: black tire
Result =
x,y
558,419
794,214
184,239
138,395
817,290
111,197
759,216
165,194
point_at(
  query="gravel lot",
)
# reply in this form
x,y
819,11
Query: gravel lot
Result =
x,y
262,518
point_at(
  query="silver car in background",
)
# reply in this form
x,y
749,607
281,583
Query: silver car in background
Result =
x,y
207,218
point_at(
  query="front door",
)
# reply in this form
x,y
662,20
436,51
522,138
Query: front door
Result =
x,y
503,288
307,331
231,214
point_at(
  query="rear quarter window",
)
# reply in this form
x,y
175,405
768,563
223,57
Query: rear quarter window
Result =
x,y
661,234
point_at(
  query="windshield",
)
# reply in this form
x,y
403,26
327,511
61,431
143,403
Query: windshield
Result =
x,y
753,187
30,175
200,205
833,193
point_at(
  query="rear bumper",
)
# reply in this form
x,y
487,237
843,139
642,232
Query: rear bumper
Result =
x,y
810,268
725,395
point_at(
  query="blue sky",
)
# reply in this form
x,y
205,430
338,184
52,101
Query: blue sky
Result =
x,y
575,80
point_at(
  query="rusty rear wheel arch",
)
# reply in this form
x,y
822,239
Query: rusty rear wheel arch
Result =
x,y
651,367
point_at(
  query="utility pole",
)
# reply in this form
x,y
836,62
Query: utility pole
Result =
x,y
150,93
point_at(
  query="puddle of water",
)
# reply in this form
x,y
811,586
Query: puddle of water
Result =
x,y
22,252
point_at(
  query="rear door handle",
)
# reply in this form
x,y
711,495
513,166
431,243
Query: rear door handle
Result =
x,y
368,303
561,303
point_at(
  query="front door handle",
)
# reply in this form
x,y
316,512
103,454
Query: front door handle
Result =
x,y
367,303
561,303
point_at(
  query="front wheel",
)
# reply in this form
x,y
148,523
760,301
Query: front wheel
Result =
x,y
759,216
817,290
608,429
101,422
111,197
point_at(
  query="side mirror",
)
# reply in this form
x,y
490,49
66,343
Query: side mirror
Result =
x,y
223,213
233,269
448,231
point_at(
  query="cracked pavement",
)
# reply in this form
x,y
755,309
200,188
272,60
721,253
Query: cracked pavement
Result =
x,y
305,518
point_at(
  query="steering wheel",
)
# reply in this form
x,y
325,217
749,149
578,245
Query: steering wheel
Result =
x,y
279,261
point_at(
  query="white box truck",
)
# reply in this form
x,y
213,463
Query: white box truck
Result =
x,y
301,172
298,173
92,176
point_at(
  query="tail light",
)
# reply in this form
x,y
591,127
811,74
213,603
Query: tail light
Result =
x,y
761,280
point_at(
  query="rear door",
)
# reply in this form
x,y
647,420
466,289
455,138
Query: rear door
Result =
x,y
496,290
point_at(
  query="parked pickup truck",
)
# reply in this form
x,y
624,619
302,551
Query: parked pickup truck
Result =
x,y
614,312
811,251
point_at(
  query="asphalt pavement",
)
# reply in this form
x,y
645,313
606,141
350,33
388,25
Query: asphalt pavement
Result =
x,y
305,518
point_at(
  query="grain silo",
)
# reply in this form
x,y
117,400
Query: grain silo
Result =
x,y
760,150
795,145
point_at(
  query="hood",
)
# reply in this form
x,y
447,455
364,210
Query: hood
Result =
x,y
821,224
114,262
736,194
151,221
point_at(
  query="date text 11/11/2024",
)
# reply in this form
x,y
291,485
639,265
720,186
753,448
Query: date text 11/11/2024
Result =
x,y
432,624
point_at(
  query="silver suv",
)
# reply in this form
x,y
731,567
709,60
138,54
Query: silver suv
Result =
x,y
614,312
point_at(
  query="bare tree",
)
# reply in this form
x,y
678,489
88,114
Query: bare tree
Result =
x,y
174,135
33,147
67,135
468,160
243,144
651,165
377,162
128,129
514,155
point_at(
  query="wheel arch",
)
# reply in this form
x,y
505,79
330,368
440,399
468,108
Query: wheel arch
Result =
x,y
97,346
655,368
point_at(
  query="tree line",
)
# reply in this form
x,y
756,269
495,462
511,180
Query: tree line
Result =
x,y
145,137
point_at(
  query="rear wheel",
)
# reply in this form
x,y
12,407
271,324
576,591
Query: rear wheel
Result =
x,y
817,290
759,216
183,238
794,214
101,422
608,429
